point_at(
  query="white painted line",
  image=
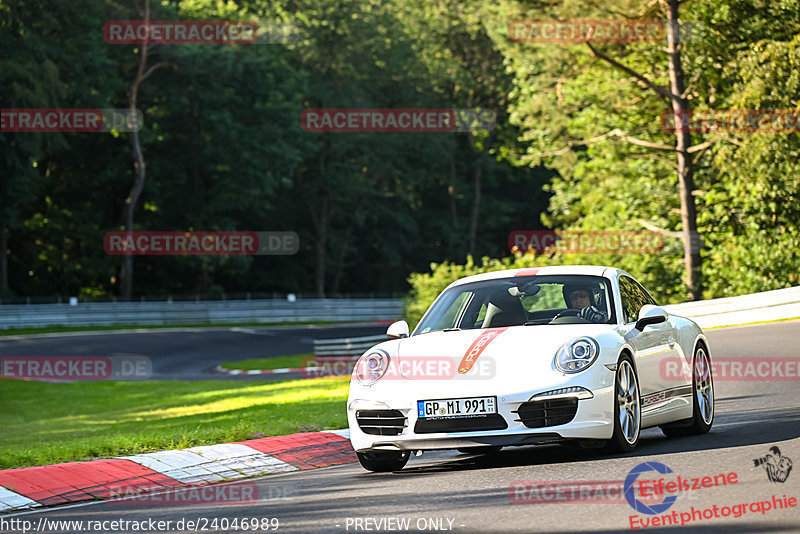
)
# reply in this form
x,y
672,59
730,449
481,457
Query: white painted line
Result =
x,y
212,463
243,330
252,331
180,465
10,500
242,461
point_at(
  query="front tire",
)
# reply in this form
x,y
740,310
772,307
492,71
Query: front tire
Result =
x,y
702,400
383,461
627,409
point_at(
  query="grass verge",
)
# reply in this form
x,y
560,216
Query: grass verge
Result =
x,y
45,423
278,362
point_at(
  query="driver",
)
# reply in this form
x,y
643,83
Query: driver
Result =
x,y
581,297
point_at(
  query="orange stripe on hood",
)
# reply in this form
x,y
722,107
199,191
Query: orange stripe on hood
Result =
x,y
475,350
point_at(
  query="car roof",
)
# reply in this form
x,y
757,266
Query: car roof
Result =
x,y
592,270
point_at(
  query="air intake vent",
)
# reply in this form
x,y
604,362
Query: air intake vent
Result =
x,y
538,414
381,422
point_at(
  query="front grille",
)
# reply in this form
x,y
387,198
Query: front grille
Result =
x,y
460,424
542,413
381,422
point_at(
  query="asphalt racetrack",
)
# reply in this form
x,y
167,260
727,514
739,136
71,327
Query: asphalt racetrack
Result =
x,y
454,492
190,354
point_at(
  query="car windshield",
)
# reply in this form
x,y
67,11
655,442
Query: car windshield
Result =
x,y
523,300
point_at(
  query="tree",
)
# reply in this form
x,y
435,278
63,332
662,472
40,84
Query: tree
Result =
x,y
142,73
673,93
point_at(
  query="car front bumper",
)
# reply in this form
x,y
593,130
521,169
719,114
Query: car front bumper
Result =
x,y
593,419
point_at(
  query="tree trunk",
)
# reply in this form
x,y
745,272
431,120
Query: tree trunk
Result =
x,y
138,159
322,244
477,173
3,262
691,249
133,197
337,278
451,190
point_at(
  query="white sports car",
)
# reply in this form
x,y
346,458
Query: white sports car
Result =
x,y
580,355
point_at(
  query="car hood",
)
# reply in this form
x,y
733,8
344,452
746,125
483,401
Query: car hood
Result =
x,y
503,353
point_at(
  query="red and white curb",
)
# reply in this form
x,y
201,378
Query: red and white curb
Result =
x,y
30,487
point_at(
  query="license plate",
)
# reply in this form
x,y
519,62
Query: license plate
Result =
x,y
465,407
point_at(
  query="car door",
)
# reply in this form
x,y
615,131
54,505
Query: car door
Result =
x,y
652,346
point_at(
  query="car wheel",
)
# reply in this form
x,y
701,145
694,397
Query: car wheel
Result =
x,y
702,400
383,461
627,409
488,449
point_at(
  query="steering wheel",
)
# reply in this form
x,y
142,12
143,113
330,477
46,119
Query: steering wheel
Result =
x,y
567,312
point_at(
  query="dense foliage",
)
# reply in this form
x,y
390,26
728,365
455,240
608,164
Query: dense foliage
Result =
x,y
225,151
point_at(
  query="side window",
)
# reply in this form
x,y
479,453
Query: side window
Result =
x,y
474,315
647,297
633,298
481,314
453,312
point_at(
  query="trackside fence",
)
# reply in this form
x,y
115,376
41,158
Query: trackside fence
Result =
x,y
766,306
217,312
349,348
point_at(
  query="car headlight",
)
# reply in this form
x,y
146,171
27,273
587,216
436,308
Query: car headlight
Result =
x,y
577,355
371,367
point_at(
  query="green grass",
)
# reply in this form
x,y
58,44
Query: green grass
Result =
x,y
45,423
60,329
279,362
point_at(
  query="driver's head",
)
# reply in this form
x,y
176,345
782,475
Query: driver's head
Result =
x,y
578,296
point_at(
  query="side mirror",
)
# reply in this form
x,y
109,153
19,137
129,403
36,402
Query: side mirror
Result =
x,y
650,314
397,330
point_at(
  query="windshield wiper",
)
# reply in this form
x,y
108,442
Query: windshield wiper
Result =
x,y
451,330
533,323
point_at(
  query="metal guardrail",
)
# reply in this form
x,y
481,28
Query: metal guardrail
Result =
x,y
176,313
766,306
345,347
